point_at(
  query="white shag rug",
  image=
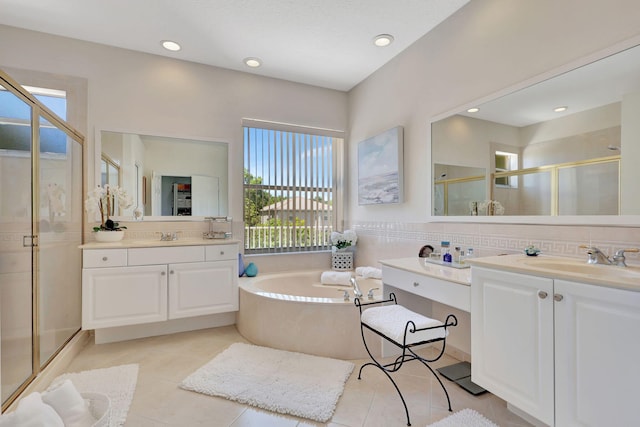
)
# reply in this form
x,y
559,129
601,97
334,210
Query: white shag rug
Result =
x,y
118,382
464,418
277,380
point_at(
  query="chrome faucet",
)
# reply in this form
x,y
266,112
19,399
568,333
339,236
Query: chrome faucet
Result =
x,y
596,256
168,236
356,289
619,258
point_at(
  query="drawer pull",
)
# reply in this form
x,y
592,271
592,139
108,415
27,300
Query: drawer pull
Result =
x,y
221,252
542,294
416,284
104,258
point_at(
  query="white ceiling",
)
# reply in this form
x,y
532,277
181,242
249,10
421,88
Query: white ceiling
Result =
x,y
593,85
325,43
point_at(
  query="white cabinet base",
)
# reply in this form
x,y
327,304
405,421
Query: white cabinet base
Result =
x,y
131,332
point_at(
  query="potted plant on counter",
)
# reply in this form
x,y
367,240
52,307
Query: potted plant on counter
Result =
x,y
341,242
104,200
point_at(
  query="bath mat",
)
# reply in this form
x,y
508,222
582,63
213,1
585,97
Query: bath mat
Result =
x,y
118,382
464,418
277,380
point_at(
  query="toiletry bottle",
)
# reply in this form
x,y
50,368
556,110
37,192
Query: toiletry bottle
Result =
x,y
456,254
463,257
469,253
446,255
444,250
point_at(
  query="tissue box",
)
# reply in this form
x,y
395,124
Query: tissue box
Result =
x,y
341,261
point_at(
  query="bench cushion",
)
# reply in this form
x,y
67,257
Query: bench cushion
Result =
x,y
391,321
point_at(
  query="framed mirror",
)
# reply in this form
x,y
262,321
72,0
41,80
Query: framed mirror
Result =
x,y
168,178
564,147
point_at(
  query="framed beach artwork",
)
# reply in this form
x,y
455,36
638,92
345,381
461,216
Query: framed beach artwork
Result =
x,y
380,168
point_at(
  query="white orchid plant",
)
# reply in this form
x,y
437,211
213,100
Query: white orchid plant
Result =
x,y
103,199
493,207
344,240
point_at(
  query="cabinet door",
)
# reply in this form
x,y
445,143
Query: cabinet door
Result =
x,y
200,288
121,296
512,339
597,355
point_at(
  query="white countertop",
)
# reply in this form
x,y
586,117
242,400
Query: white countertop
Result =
x,y
152,243
565,268
420,266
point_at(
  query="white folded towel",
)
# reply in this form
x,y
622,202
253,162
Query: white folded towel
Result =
x,y
391,320
32,412
335,278
369,272
69,404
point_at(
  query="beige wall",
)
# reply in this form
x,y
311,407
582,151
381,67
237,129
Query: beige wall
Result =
x,y
153,95
488,47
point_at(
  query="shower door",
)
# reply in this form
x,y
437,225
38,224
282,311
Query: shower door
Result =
x,y
16,274
40,231
59,223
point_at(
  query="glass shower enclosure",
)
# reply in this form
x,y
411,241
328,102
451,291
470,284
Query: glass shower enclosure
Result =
x,y
40,230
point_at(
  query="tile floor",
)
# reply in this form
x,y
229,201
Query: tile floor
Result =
x,y
372,401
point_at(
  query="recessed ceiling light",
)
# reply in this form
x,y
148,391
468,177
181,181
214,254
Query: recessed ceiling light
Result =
x,y
383,40
560,109
252,62
473,110
170,45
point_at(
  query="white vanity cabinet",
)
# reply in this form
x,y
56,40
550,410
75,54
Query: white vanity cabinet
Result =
x,y
564,352
129,286
512,339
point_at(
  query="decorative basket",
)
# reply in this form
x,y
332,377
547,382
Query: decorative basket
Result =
x,y
342,261
100,408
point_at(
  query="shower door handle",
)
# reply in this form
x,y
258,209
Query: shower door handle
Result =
x,y
30,241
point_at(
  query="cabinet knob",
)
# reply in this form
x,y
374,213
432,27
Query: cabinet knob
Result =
x,y
542,294
558,297
171,272
164,273
221,252
416,284
104,258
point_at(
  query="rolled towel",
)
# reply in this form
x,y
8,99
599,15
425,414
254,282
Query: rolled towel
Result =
x,y
69,404
335,278
32,412
369,272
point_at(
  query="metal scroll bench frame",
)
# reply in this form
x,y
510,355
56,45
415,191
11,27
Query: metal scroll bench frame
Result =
x,y
408,353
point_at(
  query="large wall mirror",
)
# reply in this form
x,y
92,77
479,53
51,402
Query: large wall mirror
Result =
x,y
168,178
568,146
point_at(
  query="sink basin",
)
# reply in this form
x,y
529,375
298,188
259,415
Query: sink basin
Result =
x,y
565,266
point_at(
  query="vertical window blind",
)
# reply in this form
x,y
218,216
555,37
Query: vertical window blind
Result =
x,y
289,187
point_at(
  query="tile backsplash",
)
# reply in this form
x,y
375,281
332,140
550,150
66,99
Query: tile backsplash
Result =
x,y
378,241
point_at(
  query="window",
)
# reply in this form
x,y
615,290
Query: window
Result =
x,y
506,162
289,187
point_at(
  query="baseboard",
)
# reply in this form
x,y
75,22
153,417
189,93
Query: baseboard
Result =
x,y
131,332
519,412
56,367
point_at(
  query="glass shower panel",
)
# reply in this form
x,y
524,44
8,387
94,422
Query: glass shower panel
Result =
x,y
60,232
16,346
589,189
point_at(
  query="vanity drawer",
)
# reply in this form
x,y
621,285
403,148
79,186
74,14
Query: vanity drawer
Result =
x,y
151,256
221,252
96,258
449,293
